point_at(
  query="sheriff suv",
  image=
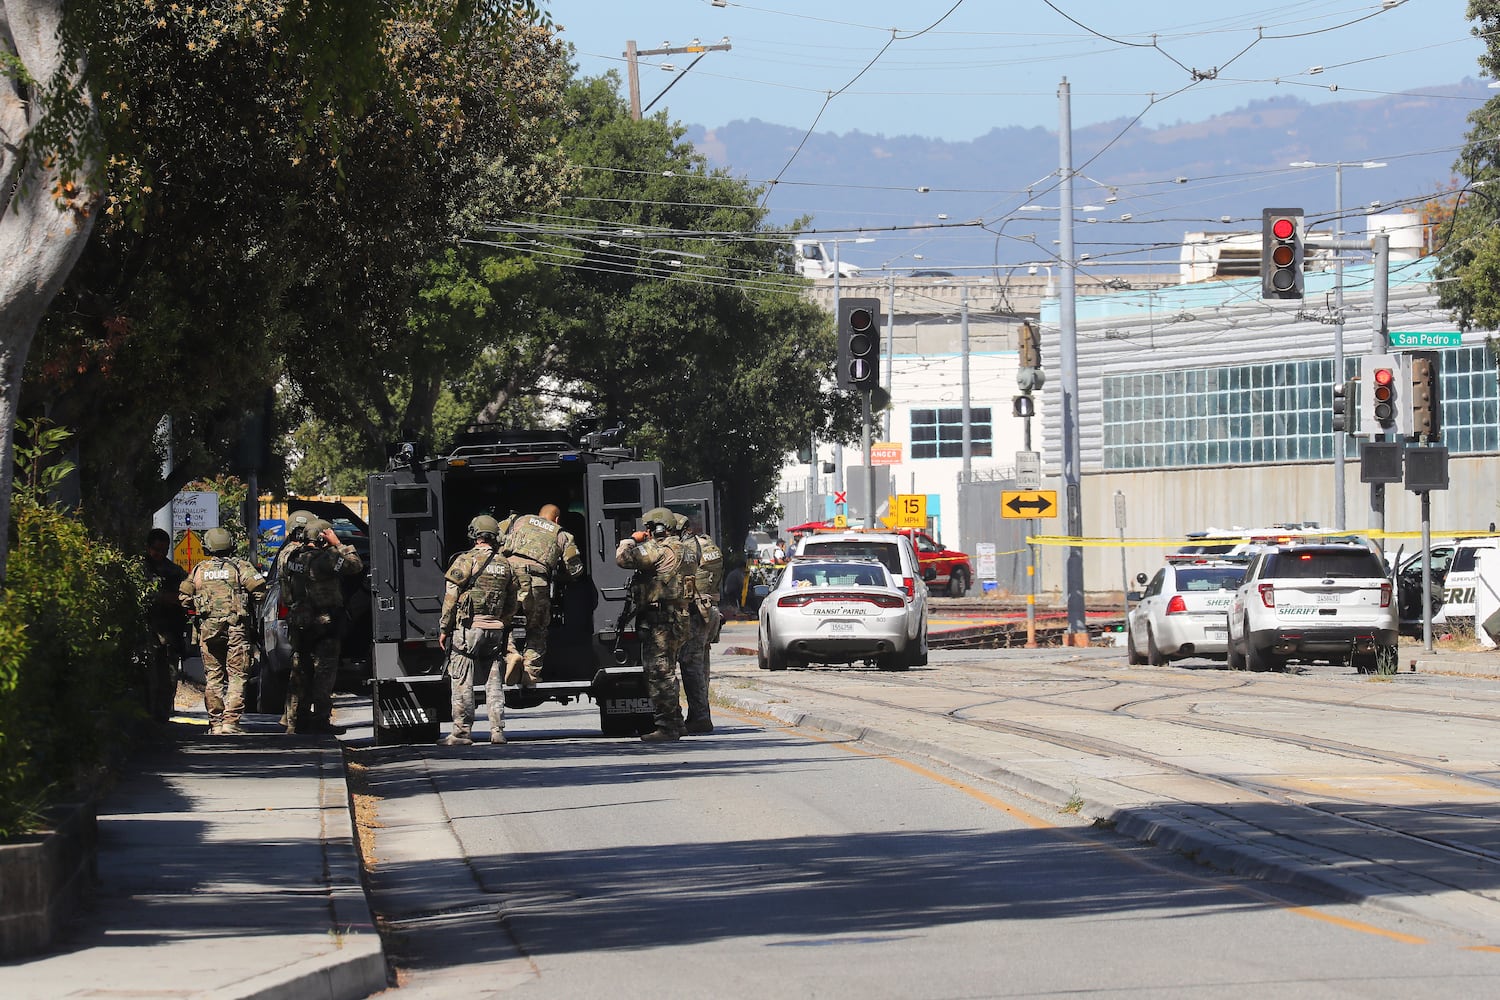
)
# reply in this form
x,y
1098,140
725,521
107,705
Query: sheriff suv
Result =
x,y
1329,602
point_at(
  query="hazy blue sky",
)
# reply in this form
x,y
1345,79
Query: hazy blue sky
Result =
x,y
993,63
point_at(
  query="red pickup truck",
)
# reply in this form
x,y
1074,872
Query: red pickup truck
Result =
x,y
953,569
954,572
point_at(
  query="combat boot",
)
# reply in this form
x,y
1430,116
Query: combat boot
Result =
x,y
232,729
456,740
699,727
497,737
659,735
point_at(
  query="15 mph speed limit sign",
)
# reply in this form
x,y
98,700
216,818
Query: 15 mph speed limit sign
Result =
x,y
911,510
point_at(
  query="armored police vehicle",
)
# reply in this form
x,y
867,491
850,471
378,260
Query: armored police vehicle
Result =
x,y
420,509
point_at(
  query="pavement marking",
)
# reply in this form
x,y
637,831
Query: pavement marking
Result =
x,y
1357,925
1038,823
1031,820
1336,783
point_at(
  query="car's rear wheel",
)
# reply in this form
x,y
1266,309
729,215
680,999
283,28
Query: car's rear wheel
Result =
x,y
1383,660
1153,655
775,659
1132,655
1259,659
1232,654
958,582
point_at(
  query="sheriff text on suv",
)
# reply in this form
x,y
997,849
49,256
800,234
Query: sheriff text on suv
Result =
x,y
1313,602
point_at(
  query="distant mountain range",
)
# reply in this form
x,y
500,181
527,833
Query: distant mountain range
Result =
x,y
1232,165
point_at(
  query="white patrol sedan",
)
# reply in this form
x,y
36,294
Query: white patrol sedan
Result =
x,y
1184,611
839,611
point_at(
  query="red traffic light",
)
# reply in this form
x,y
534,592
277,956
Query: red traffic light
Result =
x,y
1283,229
860,320
1384,376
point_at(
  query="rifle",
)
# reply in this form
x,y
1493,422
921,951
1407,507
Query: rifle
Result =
x,y
628,614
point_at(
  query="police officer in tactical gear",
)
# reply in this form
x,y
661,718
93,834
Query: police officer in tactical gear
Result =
x,y
538,549
166,623
315,622
478,604
218,591
656,555
703,625
296,534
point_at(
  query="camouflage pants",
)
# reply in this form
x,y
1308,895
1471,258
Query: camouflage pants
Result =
x,y
662,636
469,649
309,691
693,660
226,668
535,602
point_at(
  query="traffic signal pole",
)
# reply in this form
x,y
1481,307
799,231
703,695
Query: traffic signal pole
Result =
x,y
1380,343
869,460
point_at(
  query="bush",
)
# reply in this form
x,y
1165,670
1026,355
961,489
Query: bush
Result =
x,y
71,613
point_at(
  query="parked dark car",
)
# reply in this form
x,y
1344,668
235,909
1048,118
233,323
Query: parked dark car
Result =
x,y
273,652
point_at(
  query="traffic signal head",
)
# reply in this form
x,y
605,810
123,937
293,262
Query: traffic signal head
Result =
x,y
1281,253
1379,396
1029,374
859,344
1343,413
1384,395
1426,406
1029,348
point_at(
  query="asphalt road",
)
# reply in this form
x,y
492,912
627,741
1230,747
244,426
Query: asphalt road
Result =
x,y
771,860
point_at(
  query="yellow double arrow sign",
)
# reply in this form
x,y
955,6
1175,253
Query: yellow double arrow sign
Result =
x,y
1028,503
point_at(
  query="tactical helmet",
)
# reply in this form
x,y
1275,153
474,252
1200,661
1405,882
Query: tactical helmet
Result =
x,y
315,529
218,541
679,523
658,515
297,522
484,526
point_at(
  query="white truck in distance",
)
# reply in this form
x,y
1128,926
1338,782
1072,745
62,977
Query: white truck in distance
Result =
x,y
814,261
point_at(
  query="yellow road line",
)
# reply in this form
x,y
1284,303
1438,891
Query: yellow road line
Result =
x,y
1356,925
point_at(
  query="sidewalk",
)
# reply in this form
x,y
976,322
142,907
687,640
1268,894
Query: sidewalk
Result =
x,y
227,870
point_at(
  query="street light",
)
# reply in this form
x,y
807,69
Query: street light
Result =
x,y
1338,308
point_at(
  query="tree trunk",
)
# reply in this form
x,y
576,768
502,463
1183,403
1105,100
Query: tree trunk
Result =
x,y
43,228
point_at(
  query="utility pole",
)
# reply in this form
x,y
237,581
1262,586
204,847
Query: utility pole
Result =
x,y
634,73
1078,633
963,337
890,348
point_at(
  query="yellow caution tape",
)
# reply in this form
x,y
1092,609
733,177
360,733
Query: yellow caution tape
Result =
x,y
1176,541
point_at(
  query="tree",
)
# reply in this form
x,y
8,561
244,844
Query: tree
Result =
x,y
75,147
668,307
46,202
247,243
1469,245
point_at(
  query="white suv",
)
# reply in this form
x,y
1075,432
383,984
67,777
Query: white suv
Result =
x,y
893,550
1313,602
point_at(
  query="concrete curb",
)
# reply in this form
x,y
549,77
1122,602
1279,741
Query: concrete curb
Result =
x,y
1205,834
358,968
